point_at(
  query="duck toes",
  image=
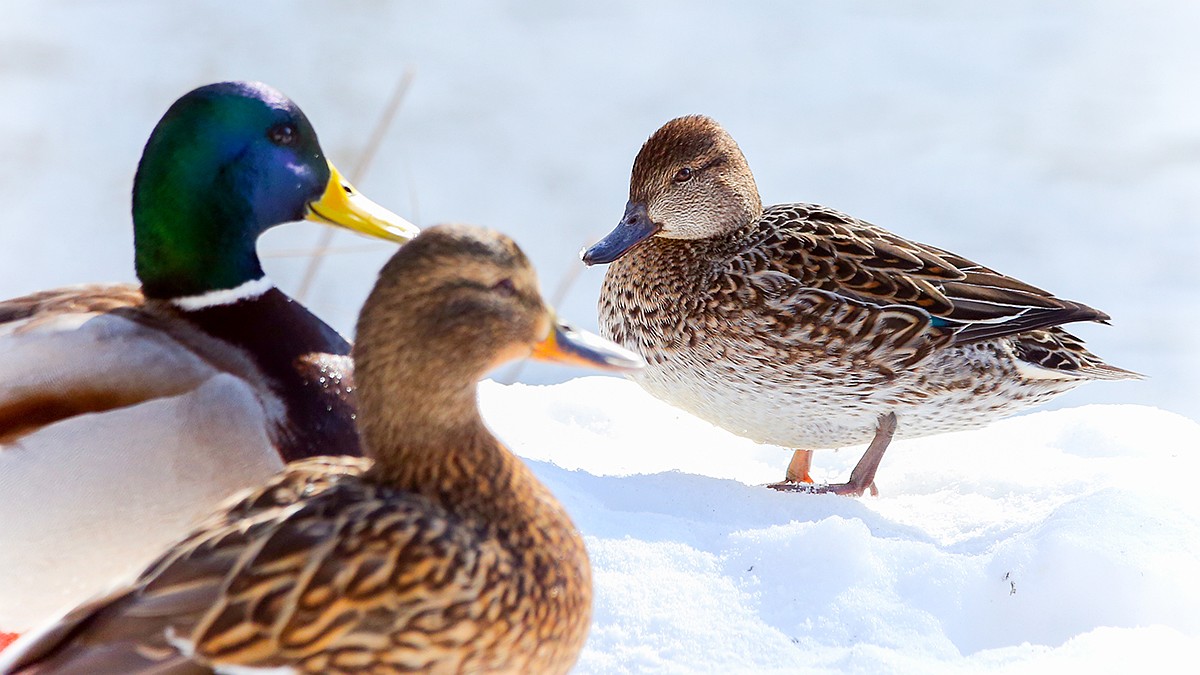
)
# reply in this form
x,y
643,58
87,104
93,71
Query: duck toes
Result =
x,y
800,326
438,552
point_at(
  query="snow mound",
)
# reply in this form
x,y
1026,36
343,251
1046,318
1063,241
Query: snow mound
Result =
x,y
1068,538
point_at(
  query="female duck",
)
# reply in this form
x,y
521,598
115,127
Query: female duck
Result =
x,y
126,412
440,553
807,328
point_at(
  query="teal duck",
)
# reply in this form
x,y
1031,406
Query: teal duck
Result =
x,y
438,552
127,411
800,326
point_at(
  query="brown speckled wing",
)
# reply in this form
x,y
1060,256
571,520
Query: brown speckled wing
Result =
x,y
888,338
1057,350
831,251
320,570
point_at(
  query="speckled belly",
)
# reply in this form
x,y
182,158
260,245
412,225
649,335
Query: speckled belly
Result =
x,y
805,401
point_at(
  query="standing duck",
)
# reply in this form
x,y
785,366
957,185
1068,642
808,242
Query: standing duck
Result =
x,y
807,328
126,412
440,552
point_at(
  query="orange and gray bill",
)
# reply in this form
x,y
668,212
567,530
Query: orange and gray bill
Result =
x,y
572,346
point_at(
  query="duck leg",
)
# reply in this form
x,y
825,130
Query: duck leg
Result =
x,y
862,478
798,468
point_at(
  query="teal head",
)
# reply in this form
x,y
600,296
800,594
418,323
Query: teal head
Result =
x,y
225,163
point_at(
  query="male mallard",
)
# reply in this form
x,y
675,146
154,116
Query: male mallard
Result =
x,y
440,553
126,413
807,328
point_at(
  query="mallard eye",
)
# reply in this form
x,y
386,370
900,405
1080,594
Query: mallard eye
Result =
x,y
282,134
683,175
505,287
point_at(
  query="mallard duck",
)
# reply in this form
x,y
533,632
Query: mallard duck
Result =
x,y
439,552
126,412
807,328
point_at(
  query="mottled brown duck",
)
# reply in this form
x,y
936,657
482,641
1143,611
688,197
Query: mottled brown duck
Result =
x,y
437,552
800,326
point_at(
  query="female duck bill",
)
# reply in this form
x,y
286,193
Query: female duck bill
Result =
x,y
570,346
634,228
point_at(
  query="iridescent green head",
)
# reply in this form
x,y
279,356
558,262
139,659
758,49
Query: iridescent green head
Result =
x,y
225,163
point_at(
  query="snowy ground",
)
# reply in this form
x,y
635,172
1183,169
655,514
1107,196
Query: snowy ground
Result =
x,y
1059,142
1060,539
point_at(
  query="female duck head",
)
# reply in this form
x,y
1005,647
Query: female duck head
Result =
x,y
689,181
225,163
453,304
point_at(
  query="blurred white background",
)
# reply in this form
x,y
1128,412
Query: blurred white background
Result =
x,y
1057,142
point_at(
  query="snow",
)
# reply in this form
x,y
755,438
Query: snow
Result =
x,y
1053,141
1051,540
